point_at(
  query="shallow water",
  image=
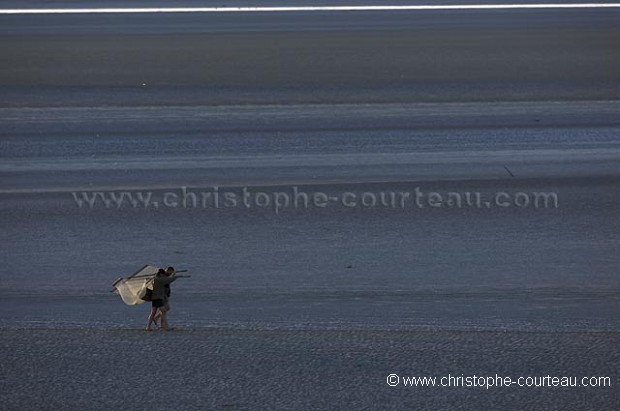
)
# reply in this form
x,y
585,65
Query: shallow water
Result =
x,y
333,267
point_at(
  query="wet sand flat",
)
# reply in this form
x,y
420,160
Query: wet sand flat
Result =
x,y
212,369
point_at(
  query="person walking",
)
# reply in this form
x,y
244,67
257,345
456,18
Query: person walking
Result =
x,y
159,299
169,271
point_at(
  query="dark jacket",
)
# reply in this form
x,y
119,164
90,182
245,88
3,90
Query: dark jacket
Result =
x,y
159,286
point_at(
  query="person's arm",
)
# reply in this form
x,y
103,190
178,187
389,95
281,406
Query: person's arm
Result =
x,y
169,279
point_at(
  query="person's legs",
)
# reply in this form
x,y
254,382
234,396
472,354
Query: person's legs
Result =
x,y
151,318
156,318
158,315
164,316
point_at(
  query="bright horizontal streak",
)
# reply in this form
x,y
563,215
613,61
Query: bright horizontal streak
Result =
x,y
311,8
